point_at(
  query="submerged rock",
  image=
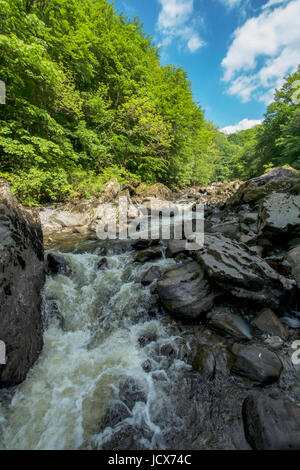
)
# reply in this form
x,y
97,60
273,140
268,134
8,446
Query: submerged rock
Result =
x,y
235,268
205,362
271,424
185,291
130,392
268,322
148,255
256,363
21,280
103,264
154,273
57,265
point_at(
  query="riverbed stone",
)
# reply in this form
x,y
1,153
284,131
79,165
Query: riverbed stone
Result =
x,y
279,215
186,292
268,322
256,363
271,424
148,255
57,264
293,259
204,362
231,324
235,268
154,273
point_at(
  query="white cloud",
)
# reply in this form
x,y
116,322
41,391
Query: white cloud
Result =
x,y
231,3
176,21
241,126
263,51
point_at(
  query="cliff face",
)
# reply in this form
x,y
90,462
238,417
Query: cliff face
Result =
x,y
21,280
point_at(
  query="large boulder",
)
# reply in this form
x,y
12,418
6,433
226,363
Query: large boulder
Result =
x,y
234,267
186,292
282,179
21,280
279,215
256,363
271,424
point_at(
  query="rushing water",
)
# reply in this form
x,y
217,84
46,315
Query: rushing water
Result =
x,y
90,347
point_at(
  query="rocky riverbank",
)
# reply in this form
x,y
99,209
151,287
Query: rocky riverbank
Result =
x,y
217,329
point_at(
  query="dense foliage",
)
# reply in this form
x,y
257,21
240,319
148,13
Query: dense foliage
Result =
x,y
87,99
277,141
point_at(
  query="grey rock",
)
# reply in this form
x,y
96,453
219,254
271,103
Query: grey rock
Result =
x,y
148,255
235,268
57,264
185,291
130,392
205,362
279,214
268,322
21,280
271,424
115,413
256,363
293,259
232,324
154,273
176,247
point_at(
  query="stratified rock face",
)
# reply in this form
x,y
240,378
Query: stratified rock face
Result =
x,y
279,214
271,424
235,268
277,179
185,292
256,363
21,280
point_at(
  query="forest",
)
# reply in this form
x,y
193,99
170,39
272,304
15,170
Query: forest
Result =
x,y
87,100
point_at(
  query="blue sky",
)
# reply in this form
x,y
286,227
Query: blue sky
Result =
x,y
234,51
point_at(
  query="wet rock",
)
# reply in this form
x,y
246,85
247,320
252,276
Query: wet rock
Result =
x,y
268,322
176,247
279,215
256,363
103,264
154,273
57,265
147,338
185,292
130,393
148,255
234,267
274,342
53,312
147,365
232,324
293,259
115,413
228,229
205,362
21,281
277,179
271,424
140,245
